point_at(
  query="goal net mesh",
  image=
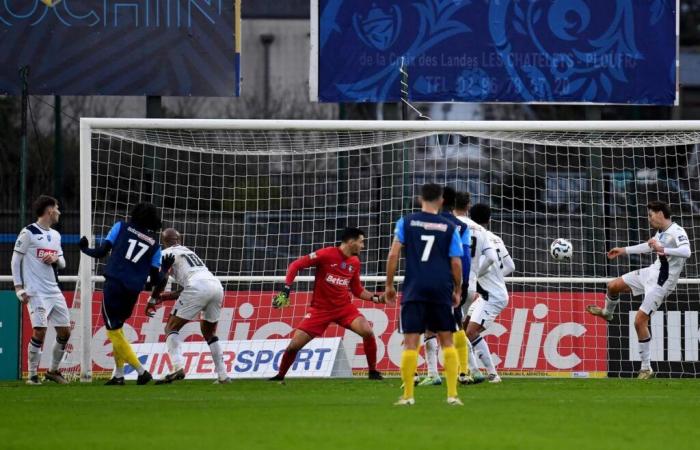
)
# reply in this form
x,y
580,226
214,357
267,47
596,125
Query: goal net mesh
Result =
x,y
249,202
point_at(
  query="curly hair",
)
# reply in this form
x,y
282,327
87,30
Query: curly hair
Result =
x,y
146,215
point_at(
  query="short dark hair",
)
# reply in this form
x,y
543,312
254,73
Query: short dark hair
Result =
x,y
431,192
43,202
146,215
448,198
657,205
462,200
350,234
480,213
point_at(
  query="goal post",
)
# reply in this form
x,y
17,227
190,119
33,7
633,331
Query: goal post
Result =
x,y
252,195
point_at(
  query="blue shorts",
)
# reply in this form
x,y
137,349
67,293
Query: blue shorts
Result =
x,y
416,317
118,304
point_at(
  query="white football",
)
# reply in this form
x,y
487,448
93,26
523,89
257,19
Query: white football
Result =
x,y
561,250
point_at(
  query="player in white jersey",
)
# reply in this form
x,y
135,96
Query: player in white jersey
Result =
x,y
656,282
36,258
200,293
494,263
478,239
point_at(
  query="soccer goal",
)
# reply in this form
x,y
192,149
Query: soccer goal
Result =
x,y
251,196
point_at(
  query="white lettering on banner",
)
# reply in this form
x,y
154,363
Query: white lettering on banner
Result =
x,y
526,338
337,281
666,336
243,359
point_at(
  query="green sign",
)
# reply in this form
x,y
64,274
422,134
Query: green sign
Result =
x,y
9,336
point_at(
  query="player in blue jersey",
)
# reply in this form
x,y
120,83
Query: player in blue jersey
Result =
x,y
135,254
459,337
432,286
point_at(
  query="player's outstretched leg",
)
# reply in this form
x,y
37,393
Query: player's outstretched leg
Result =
x,y
612,299
300,339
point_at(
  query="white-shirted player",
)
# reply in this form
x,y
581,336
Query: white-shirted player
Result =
x,y
493,264
36,258
656,282
200,293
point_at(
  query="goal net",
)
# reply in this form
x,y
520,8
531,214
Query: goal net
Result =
x,y
251,196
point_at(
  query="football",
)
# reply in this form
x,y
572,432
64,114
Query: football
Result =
x,y
561,250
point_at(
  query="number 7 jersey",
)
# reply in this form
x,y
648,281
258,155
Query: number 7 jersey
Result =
x,y
187,267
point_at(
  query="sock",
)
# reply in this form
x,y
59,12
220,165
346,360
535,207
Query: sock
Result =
x,y
370,345
409,362
122,349
484,354
460,340
451,365
118,372
473,362
287,360
59,348
218,357
172,342
611,303
645,353
431,356
34,355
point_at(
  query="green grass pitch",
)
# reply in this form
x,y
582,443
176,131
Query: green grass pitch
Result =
x,y
353,414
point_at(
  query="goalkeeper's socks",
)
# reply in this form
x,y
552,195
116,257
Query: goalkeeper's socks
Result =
x,y
409,362
172,342
370,345
431,356
218,357
59,348
611,303
34,355
288,358
645,353
451,365
473,362
460,340
484,354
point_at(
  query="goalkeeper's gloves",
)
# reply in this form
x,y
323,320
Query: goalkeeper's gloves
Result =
x,y
282,298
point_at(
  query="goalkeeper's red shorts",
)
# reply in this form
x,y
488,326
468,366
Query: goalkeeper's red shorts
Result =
x,y
317,320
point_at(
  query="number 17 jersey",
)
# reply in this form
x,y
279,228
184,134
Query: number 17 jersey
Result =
x,y
134,252
188,267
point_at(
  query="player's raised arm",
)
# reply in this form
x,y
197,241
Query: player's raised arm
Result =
x,y
107,244
638,249
304,262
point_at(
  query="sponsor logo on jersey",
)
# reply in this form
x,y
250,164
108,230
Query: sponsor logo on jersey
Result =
x,y
337,281
682,238
313,255
143,237
429,225
42,252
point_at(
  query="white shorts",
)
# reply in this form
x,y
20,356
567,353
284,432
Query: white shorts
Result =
x,y
205,296
484,312
53,309
645,282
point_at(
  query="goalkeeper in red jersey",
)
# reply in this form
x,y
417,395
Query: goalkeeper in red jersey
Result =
x,y
337,275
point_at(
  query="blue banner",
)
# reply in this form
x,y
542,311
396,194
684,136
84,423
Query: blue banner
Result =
x,y
119,47
601,51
